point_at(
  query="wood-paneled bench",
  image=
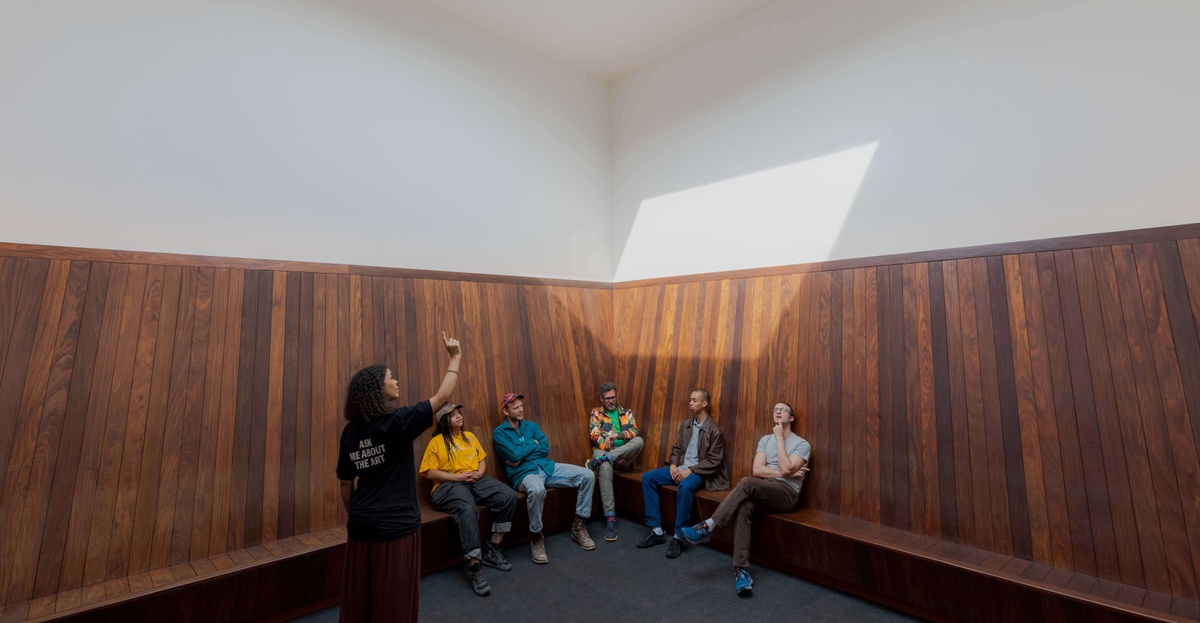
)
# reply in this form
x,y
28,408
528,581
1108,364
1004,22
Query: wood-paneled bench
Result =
x,y
928,577
274,581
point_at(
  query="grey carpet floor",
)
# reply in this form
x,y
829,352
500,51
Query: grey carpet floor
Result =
x,y
619,582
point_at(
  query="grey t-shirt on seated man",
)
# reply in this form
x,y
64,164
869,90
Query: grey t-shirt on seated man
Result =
x,y
692,455
795,446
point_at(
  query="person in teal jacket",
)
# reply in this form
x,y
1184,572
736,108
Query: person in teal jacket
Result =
x,y
523,447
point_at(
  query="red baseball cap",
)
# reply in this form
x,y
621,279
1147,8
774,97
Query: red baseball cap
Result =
x,y
509,397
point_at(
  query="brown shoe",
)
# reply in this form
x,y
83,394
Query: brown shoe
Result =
x,y
537,547
580,535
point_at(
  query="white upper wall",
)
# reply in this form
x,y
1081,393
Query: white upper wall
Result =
x,y
817,129
364,131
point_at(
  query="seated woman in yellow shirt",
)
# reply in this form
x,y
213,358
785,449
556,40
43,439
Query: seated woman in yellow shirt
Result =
x,y
454,461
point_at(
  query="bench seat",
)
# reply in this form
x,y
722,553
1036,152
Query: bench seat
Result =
x,y
925,576
274,581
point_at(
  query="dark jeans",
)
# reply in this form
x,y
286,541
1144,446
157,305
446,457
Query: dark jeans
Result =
x,y
460,500
654,479
751,494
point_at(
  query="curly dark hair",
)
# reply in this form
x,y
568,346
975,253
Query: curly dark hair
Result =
x,y
365,398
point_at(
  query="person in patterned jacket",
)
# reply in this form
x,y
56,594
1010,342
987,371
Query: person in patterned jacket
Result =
x,y
615,444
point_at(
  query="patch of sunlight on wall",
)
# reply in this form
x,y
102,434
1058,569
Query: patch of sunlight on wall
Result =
x,y
786,215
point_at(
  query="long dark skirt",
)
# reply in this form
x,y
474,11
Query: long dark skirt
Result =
x,y
382,582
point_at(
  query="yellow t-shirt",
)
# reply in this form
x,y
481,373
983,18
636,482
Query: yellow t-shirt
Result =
x,y
466,457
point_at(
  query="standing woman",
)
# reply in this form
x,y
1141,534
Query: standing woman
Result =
x,y
379,488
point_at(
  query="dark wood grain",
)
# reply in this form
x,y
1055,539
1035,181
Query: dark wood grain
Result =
x,y
286,517
1130,423
1027,416
34,522
943,408
1113,464
1046,444
1044,395
93,279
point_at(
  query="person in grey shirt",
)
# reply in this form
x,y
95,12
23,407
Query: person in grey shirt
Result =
x,y
779,468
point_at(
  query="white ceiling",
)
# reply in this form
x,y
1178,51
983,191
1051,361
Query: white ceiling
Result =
x,y
606,38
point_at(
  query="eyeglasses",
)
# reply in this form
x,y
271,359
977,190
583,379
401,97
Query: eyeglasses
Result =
x,y
779,410
608,398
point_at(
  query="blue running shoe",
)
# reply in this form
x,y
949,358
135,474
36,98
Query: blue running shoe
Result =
x,y
742,584
696,534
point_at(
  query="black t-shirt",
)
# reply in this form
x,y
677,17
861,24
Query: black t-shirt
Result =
x,y
379,453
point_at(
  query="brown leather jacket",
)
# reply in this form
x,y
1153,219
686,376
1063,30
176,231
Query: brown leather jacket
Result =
x,y
711,450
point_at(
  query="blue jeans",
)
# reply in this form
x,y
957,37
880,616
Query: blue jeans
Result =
x,y
652,480
565,476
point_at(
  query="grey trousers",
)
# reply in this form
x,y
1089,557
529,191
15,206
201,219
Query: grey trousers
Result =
x,y
460,499
628,451
751,494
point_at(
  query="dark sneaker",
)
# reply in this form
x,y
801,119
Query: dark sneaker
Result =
x,y
651,539
697,534
478,583
675,548
742,584
494,558
610,529
594,464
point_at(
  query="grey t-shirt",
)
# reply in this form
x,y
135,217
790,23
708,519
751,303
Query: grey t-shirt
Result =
x,y
795,446
692,456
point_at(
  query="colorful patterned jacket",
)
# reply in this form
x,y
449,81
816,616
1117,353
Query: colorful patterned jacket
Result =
x,y
599,425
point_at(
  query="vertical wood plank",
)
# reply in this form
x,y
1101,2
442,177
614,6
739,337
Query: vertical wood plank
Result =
x,y
149,538
1075,486
256,472
117,395
206,452
957,389
943,408
1014,464
1047,441
1084,398
1028,433
59,481
1132,435
196,381
1113,466
1165,488
38,475
23,391
120,554
997,459
87,484
274,413
244,412
222,497
288,448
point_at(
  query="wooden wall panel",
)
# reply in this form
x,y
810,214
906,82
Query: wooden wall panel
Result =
x,y
1038,404
156,414
1043,404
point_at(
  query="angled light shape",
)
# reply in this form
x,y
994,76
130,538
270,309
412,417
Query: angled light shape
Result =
x,y
786,215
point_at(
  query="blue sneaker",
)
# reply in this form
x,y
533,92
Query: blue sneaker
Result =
x,y
594,464
696,534
742,584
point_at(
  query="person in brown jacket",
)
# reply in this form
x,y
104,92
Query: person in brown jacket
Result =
x,y
697,458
